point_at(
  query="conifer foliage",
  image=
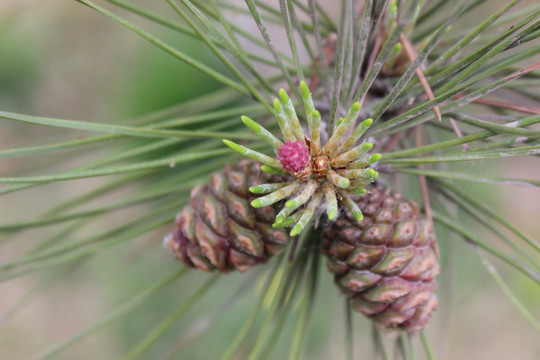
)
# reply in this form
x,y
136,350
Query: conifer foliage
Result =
x,y
368,99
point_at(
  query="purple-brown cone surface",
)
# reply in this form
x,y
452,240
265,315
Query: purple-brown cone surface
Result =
x,y
220,230
387,262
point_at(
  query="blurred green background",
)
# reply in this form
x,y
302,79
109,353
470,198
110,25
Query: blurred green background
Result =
x,y
64,60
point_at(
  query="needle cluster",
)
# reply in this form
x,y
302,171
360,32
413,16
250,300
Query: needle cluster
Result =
x,y
323,176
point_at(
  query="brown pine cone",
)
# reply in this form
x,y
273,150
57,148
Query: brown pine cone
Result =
x,y
220,230
387,262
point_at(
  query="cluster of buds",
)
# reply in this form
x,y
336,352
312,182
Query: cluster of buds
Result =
x,y
325,176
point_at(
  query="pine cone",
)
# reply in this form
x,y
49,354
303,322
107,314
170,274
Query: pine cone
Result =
x,y
220,230
387,262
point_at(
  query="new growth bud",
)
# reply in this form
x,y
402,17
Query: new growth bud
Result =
x,y
294,156
317,176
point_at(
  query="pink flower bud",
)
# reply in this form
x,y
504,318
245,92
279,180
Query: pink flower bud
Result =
x,y
294,156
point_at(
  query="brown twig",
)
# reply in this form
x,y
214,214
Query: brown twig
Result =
x,y
423,185
522,71
412,55
422,178
459,133
392,142
506,105
361,9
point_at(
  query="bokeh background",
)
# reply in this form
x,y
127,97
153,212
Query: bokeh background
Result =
x,y
63,60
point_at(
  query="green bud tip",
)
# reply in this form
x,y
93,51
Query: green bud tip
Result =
x,y
316,113
346,183
358,191
285,223
376,175
397,48
366,123
279,219
288,222
305,90
235,146
255,189
282,225
283,96
367,145
374,157
370,172
355,107
332,214
297,229
358,215
269,169
277,106
278,226
291,204
256,203
252,125
340,121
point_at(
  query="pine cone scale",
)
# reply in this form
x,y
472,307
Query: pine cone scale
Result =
x,y
245,240
211,244
377,234
212,212
388,289
395,261
365,257
359,280
337,267
239,210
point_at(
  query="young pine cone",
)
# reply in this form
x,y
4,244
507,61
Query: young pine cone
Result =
x,y
387,262
220,230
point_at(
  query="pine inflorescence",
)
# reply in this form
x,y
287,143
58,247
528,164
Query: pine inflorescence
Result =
x,y
325,174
